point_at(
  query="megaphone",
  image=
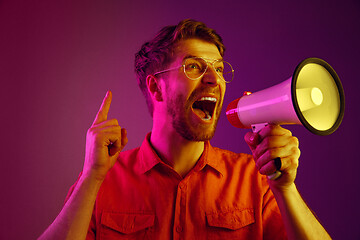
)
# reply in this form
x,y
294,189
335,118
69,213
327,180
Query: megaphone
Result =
x,y
312,97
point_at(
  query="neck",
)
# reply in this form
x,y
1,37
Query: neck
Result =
x,y
174,150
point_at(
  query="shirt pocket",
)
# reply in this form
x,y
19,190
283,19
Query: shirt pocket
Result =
x,y
229,224
127,226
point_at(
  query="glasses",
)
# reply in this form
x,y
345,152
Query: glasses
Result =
x,y
196,67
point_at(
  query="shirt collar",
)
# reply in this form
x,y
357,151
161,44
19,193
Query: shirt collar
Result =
x,y
149,158
212,158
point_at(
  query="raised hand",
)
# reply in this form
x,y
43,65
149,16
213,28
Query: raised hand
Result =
x,y
104,141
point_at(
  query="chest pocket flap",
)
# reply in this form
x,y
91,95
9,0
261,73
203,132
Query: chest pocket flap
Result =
x,y
127,223
234,219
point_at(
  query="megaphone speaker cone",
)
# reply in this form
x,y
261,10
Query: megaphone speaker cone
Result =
x,y
327,96
313,97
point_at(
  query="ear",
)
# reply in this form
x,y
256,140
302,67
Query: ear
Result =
x,y
154,88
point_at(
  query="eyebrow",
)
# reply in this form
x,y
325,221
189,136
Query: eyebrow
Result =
x,y
192,56
188,56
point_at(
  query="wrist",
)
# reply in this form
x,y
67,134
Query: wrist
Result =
x,y
91,179
287,190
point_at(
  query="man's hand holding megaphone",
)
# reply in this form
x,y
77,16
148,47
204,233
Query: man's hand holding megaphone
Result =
x,y
313,97
275,149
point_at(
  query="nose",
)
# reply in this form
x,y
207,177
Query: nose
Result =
x,y
211,77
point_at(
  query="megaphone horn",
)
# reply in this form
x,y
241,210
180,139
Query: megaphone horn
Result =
x,y
312,97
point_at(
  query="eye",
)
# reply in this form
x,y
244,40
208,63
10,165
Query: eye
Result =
x,y
219,69
193,65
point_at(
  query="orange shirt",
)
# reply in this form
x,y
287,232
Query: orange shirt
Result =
x,y
222,197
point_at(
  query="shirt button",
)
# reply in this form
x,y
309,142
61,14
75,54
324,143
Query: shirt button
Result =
x,y
179,229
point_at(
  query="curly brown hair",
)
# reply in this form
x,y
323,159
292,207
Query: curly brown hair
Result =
x,y
157,54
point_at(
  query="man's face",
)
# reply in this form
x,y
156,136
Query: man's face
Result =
x,y
194,106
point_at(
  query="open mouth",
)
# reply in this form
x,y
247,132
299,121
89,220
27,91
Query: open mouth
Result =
x,y
204,107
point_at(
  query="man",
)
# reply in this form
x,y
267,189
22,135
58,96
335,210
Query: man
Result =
x,y
176,185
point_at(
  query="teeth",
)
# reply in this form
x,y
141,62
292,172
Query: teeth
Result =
x,y
212,99
207,116
204,107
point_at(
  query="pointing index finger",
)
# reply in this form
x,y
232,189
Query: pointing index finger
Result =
x,y
101,116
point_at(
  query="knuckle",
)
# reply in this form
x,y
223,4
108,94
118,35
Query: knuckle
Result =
x,y
117,130
267,141
256,152
114,121
257,164
272,153
294,140
287,132
294,162
90,131
284,131
255,157
296,152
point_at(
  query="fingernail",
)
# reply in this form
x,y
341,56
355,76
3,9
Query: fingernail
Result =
x,y
252,138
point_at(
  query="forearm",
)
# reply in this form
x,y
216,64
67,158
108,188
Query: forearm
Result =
x,y
74,219
299,221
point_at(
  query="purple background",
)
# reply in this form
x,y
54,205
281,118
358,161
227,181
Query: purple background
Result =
x,y
58,59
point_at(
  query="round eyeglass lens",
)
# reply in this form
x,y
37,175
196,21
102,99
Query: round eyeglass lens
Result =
x,y
195,67
224,70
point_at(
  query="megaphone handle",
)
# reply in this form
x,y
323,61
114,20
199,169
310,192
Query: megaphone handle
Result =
x,y
256,128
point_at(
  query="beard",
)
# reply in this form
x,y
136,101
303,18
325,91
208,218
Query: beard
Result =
x,y
180,108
